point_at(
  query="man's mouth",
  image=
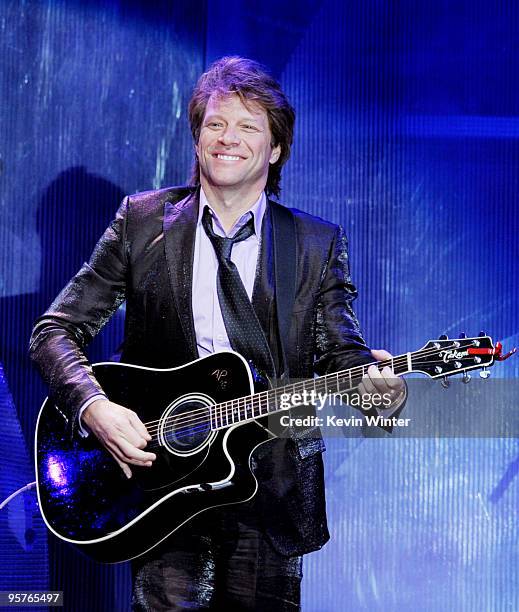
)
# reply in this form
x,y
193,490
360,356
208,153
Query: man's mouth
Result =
x,y
227,157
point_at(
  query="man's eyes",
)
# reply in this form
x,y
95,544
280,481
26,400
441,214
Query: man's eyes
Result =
x,y
217,125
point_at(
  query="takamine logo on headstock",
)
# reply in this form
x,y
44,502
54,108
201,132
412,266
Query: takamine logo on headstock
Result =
x,y
452,354
444,357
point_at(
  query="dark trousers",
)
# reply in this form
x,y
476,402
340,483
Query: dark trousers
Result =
x,y
219,561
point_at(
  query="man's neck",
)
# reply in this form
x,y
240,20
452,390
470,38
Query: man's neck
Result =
x,y
229,204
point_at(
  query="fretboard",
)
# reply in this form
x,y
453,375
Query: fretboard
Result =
x,y
262,404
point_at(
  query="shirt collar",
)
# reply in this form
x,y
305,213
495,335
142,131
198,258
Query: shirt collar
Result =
x,y
257,210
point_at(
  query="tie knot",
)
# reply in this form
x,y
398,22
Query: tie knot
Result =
x,y
221,244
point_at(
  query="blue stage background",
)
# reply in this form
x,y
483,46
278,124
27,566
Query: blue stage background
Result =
x,y
407,134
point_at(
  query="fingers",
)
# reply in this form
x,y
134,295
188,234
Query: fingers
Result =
x,y
134,437
132,428
122,433
381,354
374,380
383,383
138,425
385,380
127,452
125,468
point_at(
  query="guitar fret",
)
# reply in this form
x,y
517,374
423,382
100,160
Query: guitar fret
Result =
x,y
264,406
226,414
273,406
333,382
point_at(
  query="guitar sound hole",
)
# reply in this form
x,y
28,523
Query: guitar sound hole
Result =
x,y
186,427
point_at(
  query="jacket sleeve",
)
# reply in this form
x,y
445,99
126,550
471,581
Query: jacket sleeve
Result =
x,y
339,341
76,316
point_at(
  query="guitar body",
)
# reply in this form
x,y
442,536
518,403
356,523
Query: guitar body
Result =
x,y
84,496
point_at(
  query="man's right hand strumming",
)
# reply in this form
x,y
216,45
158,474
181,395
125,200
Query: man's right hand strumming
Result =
x,y
121,432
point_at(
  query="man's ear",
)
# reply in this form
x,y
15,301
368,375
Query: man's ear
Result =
x,y
274,155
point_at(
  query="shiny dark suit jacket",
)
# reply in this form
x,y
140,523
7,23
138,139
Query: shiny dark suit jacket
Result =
x,y
145,257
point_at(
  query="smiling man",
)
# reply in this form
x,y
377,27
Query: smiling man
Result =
x,y
234,152
196,266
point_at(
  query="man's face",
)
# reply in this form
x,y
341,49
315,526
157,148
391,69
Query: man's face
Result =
x,y
234,148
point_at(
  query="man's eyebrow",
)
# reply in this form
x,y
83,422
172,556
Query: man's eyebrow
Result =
x,y
212,116
246,119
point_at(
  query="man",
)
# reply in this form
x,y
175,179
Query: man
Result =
x,y
162,254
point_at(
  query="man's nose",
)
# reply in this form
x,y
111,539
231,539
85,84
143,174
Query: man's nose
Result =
x,y
229,136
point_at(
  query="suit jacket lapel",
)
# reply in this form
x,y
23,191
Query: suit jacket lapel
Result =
x,y
179,238
263,292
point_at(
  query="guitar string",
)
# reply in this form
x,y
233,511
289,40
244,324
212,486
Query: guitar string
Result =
x,y
200,415
280,390
205,422
202,425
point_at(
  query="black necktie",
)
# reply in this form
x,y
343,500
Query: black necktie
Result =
x,y
241,323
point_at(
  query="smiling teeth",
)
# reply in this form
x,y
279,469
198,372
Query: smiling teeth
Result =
x,y
228,157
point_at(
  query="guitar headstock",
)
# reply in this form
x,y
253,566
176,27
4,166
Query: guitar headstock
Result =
x,y
446,357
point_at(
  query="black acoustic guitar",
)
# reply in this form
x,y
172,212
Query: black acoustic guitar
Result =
x,y
205,419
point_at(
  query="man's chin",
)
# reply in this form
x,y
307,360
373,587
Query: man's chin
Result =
x,y
223,180
234,181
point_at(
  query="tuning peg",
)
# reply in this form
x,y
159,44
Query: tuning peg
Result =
x,y
481,334
462,335
443,337
466,377
445,383
484,373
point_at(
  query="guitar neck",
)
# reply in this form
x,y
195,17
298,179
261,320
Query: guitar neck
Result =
x,y
437,359
282,398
